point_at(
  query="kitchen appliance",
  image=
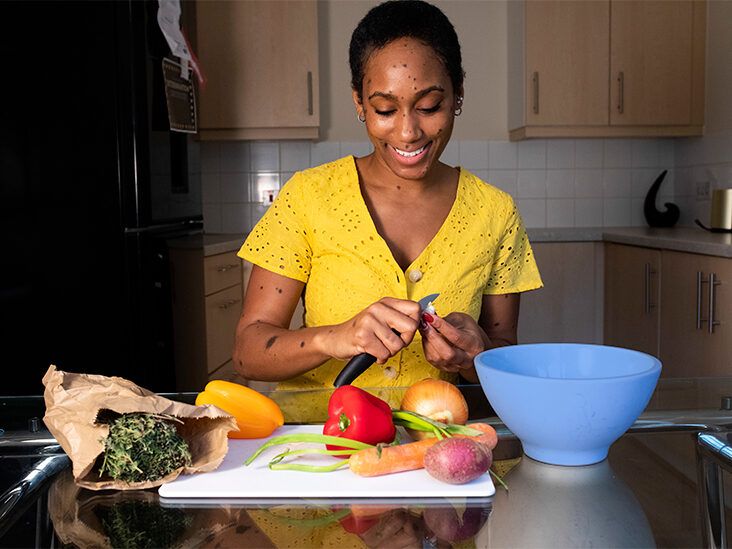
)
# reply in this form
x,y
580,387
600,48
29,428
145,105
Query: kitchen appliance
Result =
x,y
92,185
361,362
234,480
721,212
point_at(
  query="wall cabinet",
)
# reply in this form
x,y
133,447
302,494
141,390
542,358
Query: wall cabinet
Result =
x,y
260,58
612,68
661,302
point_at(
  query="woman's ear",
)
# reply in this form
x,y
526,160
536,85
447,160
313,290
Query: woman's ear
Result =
x,y
459,97
360,111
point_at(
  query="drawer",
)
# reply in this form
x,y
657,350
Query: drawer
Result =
x,y
223,310
221,271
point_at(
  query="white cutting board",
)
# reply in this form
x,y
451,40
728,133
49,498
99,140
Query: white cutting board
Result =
x,y
233,480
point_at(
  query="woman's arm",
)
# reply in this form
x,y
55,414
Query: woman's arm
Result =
x,y
267,350
451,343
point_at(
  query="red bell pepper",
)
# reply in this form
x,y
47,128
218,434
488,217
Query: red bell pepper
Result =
x,y
356,414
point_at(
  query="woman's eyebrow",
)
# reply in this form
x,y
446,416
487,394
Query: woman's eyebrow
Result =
x,y
419,94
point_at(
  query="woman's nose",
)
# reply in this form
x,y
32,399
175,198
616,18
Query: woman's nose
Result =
x,y
410,129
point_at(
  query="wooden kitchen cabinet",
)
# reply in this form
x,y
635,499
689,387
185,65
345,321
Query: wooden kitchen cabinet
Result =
x,y
260,58
696,291
632,294
614,68
659,302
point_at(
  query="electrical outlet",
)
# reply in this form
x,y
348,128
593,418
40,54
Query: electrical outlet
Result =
x,y
702,190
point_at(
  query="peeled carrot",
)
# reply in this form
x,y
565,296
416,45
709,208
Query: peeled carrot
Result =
x,y
373,462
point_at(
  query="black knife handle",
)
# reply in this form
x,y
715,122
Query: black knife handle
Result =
x,y
355,367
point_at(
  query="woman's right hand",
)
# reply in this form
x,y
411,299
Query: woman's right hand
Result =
x,y
371,330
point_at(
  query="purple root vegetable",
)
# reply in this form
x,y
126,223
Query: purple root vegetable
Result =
x,y
457,460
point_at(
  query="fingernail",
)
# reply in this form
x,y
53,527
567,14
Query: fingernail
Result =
x,y
428,318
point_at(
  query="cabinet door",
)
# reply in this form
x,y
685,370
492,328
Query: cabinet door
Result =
x,y
261,64
567,52
632,297
652,57
688,349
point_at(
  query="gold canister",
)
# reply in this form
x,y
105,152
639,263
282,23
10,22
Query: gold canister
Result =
x,y
721,215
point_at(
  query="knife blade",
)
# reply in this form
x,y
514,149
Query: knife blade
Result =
x,y
361,362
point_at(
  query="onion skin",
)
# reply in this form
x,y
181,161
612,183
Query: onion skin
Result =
x,y
436,399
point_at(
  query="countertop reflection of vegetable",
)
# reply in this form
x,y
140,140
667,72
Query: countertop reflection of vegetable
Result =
x,y
257,415
358,415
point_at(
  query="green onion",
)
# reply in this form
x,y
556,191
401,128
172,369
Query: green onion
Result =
x,y
309,437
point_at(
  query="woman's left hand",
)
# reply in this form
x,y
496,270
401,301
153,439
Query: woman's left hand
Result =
x,y
451,343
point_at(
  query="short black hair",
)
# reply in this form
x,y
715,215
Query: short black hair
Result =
x,y
405,18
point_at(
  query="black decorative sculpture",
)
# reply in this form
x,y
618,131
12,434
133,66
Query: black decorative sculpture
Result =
x,y
655,218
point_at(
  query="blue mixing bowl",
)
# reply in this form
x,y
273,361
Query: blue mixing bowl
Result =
x,y
567,402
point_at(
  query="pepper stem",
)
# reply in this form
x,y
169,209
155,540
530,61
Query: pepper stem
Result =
x,y
343,422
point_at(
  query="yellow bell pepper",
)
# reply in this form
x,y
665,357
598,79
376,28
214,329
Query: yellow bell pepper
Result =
x,y
257,415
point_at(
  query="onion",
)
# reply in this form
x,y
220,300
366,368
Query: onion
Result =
x,y
435,399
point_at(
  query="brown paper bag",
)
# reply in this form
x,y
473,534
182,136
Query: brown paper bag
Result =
x,y
74,402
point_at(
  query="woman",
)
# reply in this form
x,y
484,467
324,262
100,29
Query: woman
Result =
x,y
366,238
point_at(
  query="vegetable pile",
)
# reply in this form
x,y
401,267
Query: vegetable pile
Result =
x,y
361,432
143,447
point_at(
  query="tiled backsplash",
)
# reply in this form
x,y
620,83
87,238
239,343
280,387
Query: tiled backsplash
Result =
x,y
556,183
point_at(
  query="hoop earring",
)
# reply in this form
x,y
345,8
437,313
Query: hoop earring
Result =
x,y
458,111
358,117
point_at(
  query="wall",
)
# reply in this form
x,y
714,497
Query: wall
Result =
x,y
708,159
556,183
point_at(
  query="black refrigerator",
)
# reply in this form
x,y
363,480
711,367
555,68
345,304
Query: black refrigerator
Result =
x,y
92,186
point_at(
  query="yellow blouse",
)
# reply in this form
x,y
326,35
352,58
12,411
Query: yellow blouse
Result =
x,y
319,231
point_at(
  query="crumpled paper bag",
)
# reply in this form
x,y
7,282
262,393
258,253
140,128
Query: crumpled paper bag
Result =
x,y
74,401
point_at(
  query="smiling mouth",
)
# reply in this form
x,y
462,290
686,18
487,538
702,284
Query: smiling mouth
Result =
x,y
411,154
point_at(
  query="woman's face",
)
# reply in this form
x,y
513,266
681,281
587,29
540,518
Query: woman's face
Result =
x,y
409,105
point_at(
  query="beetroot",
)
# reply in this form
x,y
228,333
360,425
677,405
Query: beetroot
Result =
x,y
457,460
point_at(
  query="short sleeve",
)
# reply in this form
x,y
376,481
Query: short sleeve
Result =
x,y
280,241
514,268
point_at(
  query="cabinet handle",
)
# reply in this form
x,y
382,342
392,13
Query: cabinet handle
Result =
x,y
621,92
224,268
229,303
648,304
310,93
712,283
699,281
535,86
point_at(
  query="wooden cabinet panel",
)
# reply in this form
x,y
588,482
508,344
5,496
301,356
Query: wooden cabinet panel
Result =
x,y
261,63
688,347
221,271
632,293
651,62
223,310
566,43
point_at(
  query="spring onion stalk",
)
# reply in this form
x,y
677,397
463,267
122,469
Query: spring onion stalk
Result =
x,y
418,422
309,437
308,468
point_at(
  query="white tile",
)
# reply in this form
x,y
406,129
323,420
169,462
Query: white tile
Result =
x,y
588,212
234,156
560,212
533,211
560,153
265,156
616,183
618,153
480,174
451,154
532,154
666,158
722,174
356,148
210,188
641,180
474,155
234,187
235,218
644,153
531,184
506,180
616,212
210,157
324,152
294,155
212,218
683,182
637,218
588,183
502,155
588,153
256,212
285,177
560,183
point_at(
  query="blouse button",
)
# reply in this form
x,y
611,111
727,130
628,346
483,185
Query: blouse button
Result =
x,y
415,275
390,372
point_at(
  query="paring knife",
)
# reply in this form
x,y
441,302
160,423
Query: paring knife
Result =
x,y
360,363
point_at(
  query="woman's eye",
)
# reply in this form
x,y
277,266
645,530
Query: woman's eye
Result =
x,y
431,109
384,113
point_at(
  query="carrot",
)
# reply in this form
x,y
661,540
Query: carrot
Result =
x,y
372,462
